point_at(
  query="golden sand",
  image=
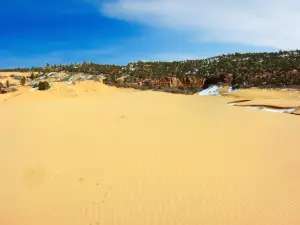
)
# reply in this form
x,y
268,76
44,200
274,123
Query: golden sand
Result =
x,y
88,154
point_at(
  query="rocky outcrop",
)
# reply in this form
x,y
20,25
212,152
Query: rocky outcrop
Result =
x,y
183,82
188,84
171,81
5,90
4,87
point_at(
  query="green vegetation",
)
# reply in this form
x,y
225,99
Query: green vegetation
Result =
x,y
275,69
43,85
248,70
23,81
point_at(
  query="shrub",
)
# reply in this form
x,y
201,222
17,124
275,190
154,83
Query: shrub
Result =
x,y
43,85
32,76
23,81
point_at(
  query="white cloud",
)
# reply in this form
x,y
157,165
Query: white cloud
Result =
x,y
265,23
173,56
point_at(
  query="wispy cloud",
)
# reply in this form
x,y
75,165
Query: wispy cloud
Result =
x,y
266,23
173,56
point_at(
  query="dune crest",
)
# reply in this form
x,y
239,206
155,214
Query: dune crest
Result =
x,y
89,154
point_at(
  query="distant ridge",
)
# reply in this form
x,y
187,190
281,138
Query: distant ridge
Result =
x,y
274,69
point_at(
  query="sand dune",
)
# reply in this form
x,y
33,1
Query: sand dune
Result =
x,y
269,103
277,101
254,93
88,154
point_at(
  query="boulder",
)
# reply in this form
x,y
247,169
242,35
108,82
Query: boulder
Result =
x,y
4,90
7,90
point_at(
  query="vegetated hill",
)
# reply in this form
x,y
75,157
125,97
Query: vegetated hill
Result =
x,y
85,67
276,69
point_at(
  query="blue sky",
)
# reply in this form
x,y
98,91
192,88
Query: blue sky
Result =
x,y
34,32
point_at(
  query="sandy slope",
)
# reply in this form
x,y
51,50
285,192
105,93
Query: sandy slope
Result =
x,y
4,76
289,99
91,154
254,93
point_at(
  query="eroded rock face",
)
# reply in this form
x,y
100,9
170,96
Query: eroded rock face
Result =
x,y
171,81
185,81
187,84
223,79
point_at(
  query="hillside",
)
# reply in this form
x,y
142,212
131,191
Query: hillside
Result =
x,y
276,69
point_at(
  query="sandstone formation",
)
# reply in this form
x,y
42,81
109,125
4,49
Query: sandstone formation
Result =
x,y
184,82
4,90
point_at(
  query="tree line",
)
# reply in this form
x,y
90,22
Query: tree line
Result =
x,y
248,69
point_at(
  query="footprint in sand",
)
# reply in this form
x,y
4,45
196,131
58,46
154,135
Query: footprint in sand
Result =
x,y
35,176
106,194
86,212
108,191
80,179
95,211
